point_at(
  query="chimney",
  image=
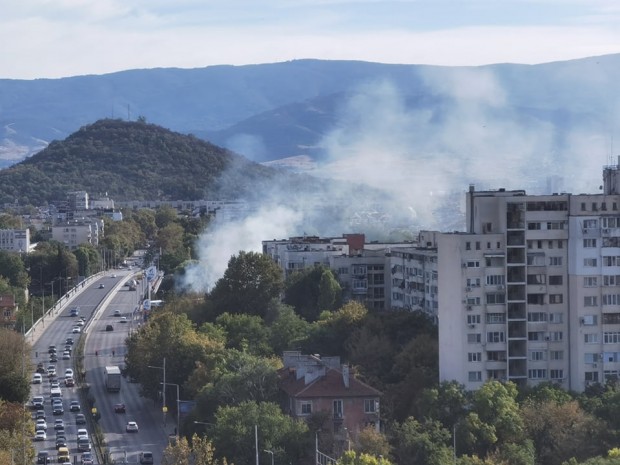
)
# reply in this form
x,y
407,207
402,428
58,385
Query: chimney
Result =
x,y
345,375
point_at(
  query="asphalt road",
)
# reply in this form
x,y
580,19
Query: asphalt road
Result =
x,y
97,306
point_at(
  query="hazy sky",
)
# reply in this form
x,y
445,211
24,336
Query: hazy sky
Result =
x,y
58,38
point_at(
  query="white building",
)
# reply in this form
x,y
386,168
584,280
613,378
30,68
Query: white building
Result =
x,y
77,233
15,240
531,292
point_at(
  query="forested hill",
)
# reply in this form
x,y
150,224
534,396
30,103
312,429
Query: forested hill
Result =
x,y
133,160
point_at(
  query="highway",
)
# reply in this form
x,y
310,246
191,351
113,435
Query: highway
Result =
x,y
96,306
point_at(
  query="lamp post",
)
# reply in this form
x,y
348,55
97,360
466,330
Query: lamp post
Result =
x,y
178,409
164,408
270,452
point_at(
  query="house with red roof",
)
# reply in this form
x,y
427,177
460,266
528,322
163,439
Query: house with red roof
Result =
x,y
8,311
313,384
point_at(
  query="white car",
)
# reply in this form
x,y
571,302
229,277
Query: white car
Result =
x,y
82,433
123,319
41,425
76,329
37,378
68,373
40,435
132,427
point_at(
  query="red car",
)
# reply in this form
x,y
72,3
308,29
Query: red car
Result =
x,y
119,408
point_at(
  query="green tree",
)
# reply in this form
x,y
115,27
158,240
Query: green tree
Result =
x,y
312,290
165,216
234,433
370,441
287,330
446,403
329,334
425,443
13,269
249,284
245,332
14,362
363,458
14,422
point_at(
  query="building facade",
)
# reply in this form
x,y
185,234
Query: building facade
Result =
x,y
15,240
531,291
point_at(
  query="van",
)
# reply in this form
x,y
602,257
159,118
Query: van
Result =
x,y
63,454
146,457
55,393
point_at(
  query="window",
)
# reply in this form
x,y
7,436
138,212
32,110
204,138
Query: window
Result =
x,y
467,245
590,281
583,206
536,279
590,262
477,245
590,224
591,376
556,336
536,316
473,319
495,280
536,336
556,374
535,259
611,337
496,356
611,318
556,355
537,355
337,408
536,299
370,405
495,336
495,318
306,407
611,299
556,298
556,317
555,280
474,376
493,298
590,301
473,301
589,243
591,338
555,261
473,264
611,280
474,356
474,338
611,260
589,320
533,226
555,225
590,358
537,374
473,282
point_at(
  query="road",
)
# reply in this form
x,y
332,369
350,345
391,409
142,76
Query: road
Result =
x,y
96,306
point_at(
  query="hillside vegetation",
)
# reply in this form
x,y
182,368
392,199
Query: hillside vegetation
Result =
x,y
132,161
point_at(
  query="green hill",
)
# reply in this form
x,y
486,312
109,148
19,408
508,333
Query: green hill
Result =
x,y
134,161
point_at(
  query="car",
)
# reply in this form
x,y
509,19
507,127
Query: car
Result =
x,y
75,406
69,382
51,349
51,370
109,328
123,319
113,276
40,368
37,402
80,419
39,414
101,286
119,408
87,458
68,348
69,341
66,355
43,457
76,330
75,311
41,424
117,313
37,378
54,385
82,433
79,323
40,435
61,441
68,373
59,424
83,445
63,455
58,409
60,433
146,457
53,358
132,427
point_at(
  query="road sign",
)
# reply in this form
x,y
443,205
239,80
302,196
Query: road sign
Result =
x,y
146,304
151,273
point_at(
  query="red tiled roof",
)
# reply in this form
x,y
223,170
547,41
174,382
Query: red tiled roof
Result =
x,y
330,385
7,300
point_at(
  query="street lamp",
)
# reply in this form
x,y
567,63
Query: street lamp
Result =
x,y
164,408
178,409
271,453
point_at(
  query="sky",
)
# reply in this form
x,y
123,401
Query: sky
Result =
x,y
61,38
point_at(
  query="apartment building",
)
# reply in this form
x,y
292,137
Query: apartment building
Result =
x,y
73,234
15,240
531,291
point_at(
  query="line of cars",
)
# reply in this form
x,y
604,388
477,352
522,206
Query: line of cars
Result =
x,y
51,376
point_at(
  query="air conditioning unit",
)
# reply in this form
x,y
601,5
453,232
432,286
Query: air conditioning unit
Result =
x,y
582,320
547,338
464,265
585,231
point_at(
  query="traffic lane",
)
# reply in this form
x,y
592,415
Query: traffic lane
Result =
x,y
105,348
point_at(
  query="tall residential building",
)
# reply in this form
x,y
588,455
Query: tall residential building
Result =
x,y
531,291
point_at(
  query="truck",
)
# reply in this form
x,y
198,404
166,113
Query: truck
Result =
x,y
112,376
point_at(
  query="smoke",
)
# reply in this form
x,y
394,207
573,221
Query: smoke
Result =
x,y
402,159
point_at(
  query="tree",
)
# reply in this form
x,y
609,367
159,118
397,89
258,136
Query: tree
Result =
x,y
329,334
13,269
245,332
352,458
14,422
312,290
446,403
14,386
165,215
234,432
249,284
418,443
287,330
370,441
